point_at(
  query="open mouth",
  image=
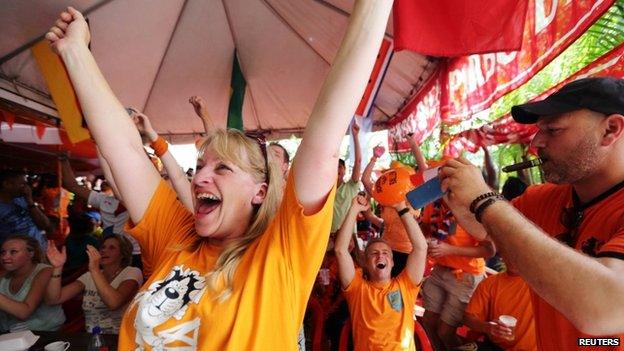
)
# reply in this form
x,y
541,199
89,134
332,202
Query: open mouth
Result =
x,y
207,203
380,265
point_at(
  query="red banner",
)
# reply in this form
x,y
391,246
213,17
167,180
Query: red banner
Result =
x,y
454,28
506,131
422,118
502,131
473,83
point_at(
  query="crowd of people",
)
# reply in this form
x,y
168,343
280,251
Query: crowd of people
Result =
x,y
228,258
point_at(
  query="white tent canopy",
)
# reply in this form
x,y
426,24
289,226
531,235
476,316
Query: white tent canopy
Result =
x,y
157,53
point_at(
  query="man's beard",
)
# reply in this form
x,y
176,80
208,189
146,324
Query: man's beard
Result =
x,y
580,163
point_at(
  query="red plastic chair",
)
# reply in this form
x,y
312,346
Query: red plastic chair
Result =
x,y
420,338
318,324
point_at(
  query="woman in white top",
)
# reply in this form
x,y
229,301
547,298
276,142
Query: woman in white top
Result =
x,y
22,287
107,287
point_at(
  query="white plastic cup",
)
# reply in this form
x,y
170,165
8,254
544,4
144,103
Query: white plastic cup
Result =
x,y
57,346
510,322
324,276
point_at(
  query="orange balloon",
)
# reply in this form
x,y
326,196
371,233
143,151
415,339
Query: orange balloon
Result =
x,y
393,185
397,164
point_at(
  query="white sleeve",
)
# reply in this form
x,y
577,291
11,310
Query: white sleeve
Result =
x,y
84,278
133,273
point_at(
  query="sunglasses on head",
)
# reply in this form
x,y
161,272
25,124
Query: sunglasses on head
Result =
x,y
261,140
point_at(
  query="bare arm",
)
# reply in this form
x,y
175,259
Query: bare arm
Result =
x,y
113,298
199,105
357,163
366,175
178,178
373,219
41,220
114,133
69,180
23,309
525,246
485,249
346,268
317,159
591,310
56,294
417,258
421,163
108,175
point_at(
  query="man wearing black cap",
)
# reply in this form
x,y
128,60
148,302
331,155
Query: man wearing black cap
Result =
x,y
566,237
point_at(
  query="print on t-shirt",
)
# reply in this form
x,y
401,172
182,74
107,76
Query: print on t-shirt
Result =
x,y
396,300
164,299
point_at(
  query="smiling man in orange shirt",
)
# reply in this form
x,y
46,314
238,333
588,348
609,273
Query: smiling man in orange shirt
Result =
x,y
381,307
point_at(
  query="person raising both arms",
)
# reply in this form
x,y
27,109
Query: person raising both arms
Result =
x,y
224,274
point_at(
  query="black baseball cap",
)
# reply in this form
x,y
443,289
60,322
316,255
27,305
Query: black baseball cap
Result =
x,y
600,94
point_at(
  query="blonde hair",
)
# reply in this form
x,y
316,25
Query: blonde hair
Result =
x,y
234,146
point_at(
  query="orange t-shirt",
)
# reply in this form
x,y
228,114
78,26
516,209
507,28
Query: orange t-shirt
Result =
x,y
177,309
457,236
382,315
506,294
394,232
601,234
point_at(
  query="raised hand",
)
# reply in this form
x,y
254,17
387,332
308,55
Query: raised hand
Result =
x,y
355,128
360,203
94,258
144,126
69,28
462,182
378,151
199,105
57,258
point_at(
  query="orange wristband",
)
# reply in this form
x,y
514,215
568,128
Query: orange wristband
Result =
x,y
160,146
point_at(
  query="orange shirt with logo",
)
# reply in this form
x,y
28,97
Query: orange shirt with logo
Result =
x,y
177,309
382,315
510,295
601,234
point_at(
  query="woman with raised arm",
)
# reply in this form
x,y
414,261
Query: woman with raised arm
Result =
x,y
107,287
236,274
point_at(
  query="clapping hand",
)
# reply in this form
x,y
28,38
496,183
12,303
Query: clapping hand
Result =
x,y
57,258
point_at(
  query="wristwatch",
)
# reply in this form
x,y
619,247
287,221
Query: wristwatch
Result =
x,y
403,211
